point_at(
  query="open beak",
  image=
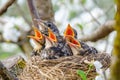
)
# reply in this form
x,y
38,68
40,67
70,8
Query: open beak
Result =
x,y
74,44
52,36
41,24
39,20
69,31
38,40
50,40
73,40
34,38
38,35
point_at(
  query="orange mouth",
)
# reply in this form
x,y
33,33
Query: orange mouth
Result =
x,y
52,36
38,35
73,41
69,31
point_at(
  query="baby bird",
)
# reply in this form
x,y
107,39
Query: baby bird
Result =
x,y
50,40
50,51
74,45
39,41
44,25
84,49
70,31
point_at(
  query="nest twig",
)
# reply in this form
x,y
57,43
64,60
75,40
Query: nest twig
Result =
x,y
64,68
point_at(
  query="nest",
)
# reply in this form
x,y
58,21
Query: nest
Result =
x,y
64,68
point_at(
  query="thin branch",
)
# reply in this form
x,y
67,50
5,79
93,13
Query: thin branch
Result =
x,y
3,40
45,9
41,9
106,44
6,75
33,12
115,65
95,19
26,47
106,12
22,13
101,32
4,8
23,44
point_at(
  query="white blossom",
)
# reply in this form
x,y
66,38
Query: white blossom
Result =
x,y
21,24
8,47
98,66
101,71
10,33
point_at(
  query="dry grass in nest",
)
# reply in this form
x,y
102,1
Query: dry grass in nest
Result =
x,y
64,68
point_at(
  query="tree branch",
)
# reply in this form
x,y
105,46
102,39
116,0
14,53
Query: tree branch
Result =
x,y
33,12
6,75
5,7
45,10
94,18
115,66
101,32
23,44
21,12
41,9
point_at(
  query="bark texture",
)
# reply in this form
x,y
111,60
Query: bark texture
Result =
x,y
115,68
101,32
4,8
45,10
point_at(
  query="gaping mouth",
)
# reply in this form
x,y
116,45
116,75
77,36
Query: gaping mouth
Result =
x,y
33,37
73,45
72,40
69,31
38,35
41,24
52,36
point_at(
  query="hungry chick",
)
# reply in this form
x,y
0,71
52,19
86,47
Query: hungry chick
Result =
x,y
84,49
39,41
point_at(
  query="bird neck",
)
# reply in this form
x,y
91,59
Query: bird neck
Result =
x,y
37,46
75,50
48,43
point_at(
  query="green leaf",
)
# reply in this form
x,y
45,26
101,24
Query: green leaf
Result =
x,y
72,15
83,1
16,27
56,7
71,1
82,74
90,67
80,26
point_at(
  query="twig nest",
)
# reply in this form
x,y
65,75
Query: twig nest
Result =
x,y
64,68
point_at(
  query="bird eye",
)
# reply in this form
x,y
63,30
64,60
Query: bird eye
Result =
x,y
49,24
